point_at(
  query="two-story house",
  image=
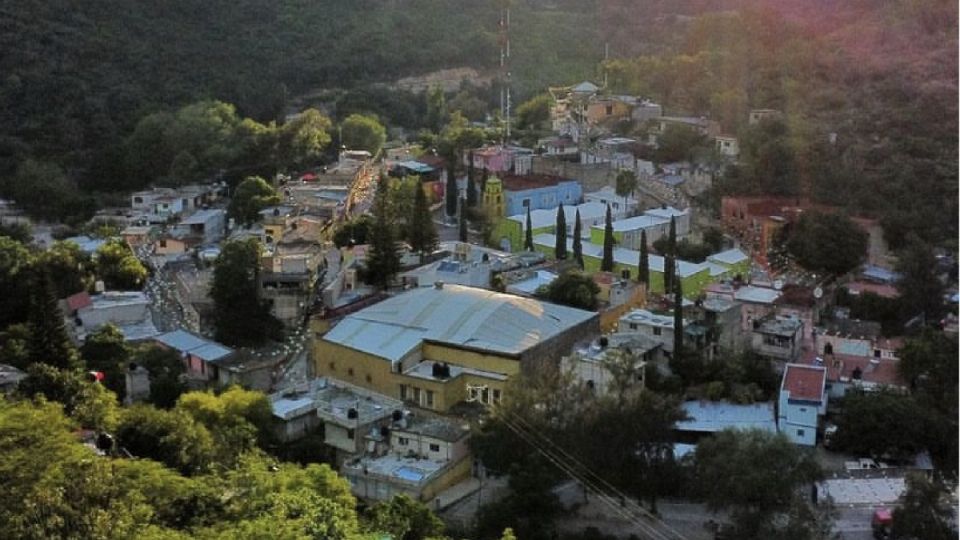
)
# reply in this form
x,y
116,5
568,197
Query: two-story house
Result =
x,y
779,339
803,402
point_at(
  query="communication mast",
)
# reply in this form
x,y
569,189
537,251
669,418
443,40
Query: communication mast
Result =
x,y
505,65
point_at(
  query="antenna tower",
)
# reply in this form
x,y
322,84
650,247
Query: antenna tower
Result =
x,y
505,65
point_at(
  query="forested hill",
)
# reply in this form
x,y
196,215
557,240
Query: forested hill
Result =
x,y
76,75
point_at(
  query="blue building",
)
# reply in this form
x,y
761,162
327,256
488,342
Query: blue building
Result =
x,y
539,192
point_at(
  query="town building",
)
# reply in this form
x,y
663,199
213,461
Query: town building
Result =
x,y
129,311
538,192
510,232
206,226
705,418
619,206
418,456
438,346
727,145
778,338
202,357
590,363
803,402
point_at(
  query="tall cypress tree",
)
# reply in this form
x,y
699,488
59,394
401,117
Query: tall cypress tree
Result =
x,y
484,175
669,258
606,265
463,220
471,183
451,189
528,233
643,270
383,261
560,250
422,232
49,342
577,242
678,322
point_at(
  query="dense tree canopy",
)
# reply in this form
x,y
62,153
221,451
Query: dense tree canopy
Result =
x,y
829,243
242,316
363,132
251,196
573,289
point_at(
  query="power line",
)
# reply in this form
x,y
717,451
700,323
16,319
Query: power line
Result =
x,y
581,473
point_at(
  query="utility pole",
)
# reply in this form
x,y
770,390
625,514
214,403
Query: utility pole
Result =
x,y
505,66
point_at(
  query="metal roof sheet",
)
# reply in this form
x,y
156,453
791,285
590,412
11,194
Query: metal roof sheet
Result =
x,y
455,315
713,416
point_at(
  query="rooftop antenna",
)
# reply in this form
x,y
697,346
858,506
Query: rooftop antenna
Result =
x,y
505,66
606,56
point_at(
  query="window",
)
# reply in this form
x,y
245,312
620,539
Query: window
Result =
x,y
485,396
416,394
633,326
800,433
434,447
526,203
403,391
403,441
657,331
333,366
163,243
350,372
369,379
876,353
429,398
350,434
803,409
496,395
609,110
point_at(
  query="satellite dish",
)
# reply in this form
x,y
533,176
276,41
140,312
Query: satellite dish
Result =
x,y
818,293
778,284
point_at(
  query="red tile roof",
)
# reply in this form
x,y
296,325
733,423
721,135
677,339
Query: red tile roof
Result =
x,y
79,301
804,382
886,291
872,370
513,182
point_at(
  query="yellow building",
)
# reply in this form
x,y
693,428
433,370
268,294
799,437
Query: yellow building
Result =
x,y
438,346
493,200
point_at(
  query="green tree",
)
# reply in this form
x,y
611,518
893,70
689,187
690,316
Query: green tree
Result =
x,y
242,317
534,113
173,438
606,265
14,345
87,402
14,269
669,258
450,192
560,249
528,233
577,240
105,350
921,289
462,221
44,191
925,511
49,342
626,184
383,261
353,232
754,474
183,169
166,374
422,232
71,270
436,109
678,143
471,182
829,243
404,519
302,140
251,196
643,267
678,322
119,267
363,132
904,422
573,289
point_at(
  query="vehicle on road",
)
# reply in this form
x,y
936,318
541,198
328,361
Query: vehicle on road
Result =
x,y
882,523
